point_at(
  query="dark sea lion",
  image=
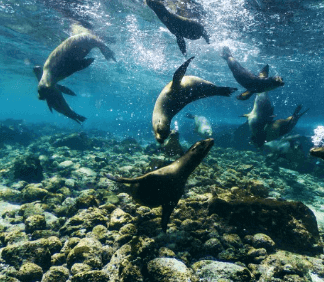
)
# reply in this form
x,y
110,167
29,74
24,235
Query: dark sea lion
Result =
x,y
68,58
317,152
56,101
280,127
181,91
165,186
181,27
252,83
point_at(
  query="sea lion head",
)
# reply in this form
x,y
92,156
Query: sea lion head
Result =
x,y
44,92
277,81
162,130
200,149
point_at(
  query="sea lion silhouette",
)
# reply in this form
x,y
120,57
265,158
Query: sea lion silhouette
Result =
x,y
252,83
165,186
181,27
178,93
56,101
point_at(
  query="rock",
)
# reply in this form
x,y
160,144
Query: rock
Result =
x,y
291,225
167,270
33,251
213,247
35,222
28,168
128,260
12,237
58,259
231,241
84,172
56,274
65,164
80,267
263,241
30,272
210,270
91,276
84,219
118,218
75,141
87,251
33,192
9,194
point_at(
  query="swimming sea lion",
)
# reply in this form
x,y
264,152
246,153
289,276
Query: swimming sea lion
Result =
x,y
181,91
172,145
202,125
68,58
280,127
252,83
261,114
165,186
56,101
317,152
181,27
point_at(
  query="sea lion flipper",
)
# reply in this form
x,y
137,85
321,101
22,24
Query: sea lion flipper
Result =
x,y
65,90
108,54
38,71
49,106
182,44
264,72
205,36
125,180
180,72
166,213
245,95
226,53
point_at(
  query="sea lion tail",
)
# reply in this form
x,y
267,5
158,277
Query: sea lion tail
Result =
x,y
296,113
108,54
121,179
189,115
78,118
226,53
245,95
225,91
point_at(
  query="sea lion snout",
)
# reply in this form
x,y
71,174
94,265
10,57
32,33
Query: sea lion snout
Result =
x,y
279,80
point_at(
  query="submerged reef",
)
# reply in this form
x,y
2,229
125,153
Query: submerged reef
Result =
x,y
243,216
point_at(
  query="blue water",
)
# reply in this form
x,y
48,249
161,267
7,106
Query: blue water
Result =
x,y
120,97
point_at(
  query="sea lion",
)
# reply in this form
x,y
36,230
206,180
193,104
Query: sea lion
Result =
x,y
181,91
56,101
252,83
181,27
202,125
172,145
68,58
165,186
317,152
280,127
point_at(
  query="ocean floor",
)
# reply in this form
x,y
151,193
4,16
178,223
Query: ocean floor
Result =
x,y
243,217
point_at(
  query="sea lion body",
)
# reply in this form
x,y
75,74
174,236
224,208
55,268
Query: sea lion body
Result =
x,y
280,127
181,91
252,83
180,26
55,99
165,186
202,125
259,117
68,58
